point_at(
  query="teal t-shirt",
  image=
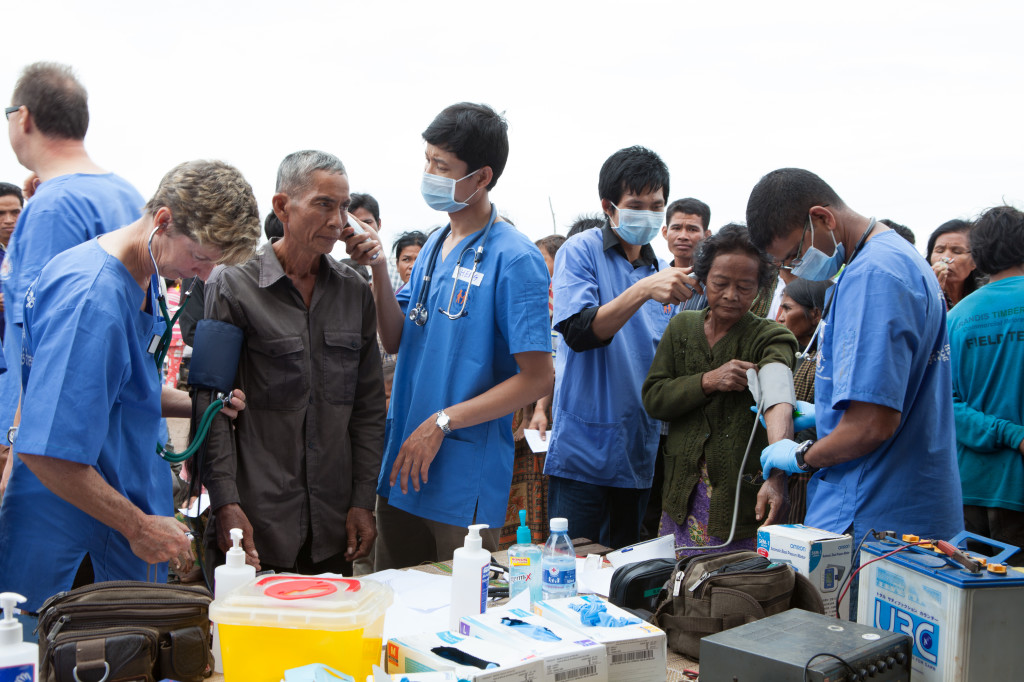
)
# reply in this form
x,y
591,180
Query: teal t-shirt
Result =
x,y
986,336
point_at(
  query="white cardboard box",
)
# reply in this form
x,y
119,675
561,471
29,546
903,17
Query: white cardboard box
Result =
x,y
574,657
415,653
824,558
636,653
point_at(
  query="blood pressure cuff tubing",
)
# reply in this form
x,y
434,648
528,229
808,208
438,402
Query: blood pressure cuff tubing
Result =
x,y
215,356
776,380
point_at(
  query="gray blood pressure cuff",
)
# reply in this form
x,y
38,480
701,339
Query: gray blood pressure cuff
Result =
x,y
776,382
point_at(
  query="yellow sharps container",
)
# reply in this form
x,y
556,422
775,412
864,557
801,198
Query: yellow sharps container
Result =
x,y
284,621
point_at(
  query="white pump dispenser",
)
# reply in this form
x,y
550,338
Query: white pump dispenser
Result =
x,y
471,568
18,659
232,574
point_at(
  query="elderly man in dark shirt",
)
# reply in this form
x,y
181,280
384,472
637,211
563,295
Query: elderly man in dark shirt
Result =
x,y
298,471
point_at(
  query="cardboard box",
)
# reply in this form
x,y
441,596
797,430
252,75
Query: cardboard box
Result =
x,y
417,653
824,558
574,657
636,653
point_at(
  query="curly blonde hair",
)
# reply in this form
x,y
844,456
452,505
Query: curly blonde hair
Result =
x,y
211,203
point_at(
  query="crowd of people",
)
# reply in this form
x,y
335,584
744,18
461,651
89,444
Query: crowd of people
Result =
x,y
807,366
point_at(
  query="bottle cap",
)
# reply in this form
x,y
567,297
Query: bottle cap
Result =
x,y
236,555
10,627
473,539
523,535
559,525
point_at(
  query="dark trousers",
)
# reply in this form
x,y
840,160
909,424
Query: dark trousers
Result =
x,y
601,513
404,539
1004,525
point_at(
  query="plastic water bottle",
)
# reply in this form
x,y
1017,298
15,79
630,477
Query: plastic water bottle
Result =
x,y
524,563
558,562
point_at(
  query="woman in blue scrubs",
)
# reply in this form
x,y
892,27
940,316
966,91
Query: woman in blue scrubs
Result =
x,y
89,498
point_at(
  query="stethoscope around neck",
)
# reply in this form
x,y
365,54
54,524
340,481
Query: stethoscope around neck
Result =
x,y
419,313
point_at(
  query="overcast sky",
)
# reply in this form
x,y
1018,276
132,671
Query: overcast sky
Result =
x,y
910,110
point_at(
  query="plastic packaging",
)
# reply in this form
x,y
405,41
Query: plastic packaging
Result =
x,y
558,562
524,563
18,659
234,573
471,567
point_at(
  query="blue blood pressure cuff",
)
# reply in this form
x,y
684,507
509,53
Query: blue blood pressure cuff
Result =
x,y
215,353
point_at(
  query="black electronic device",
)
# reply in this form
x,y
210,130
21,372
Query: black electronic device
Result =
x,y
777,649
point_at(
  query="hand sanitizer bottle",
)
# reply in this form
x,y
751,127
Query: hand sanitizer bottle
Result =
x,y
524,563
232,574
471,568
18,659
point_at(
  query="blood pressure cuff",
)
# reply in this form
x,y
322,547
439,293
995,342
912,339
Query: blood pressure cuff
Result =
x,y
776,381
215,356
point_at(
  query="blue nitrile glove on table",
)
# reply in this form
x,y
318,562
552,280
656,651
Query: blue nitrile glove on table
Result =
x,y
537,632
597,614
780,455
803,416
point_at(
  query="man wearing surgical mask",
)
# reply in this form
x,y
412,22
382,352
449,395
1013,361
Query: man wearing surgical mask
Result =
x,y
883,382
613,299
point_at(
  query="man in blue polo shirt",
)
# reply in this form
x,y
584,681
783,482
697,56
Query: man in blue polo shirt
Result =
x,y
883,384
473,343
613,300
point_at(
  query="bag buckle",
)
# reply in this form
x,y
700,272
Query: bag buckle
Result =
x,y
106,673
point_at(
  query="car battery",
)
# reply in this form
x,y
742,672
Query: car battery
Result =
x,y
965,622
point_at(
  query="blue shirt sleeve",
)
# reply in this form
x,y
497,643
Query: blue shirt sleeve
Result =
x,y
876,332
575,282
522,303
78,363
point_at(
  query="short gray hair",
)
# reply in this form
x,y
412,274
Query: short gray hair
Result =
x,y
294,172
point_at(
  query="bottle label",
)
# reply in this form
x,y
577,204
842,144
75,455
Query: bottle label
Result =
x,y
485,574
553,575
18,673
519,561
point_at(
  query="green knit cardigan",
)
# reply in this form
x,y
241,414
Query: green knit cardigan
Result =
x,y
718,426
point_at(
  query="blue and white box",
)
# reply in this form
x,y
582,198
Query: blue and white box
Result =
x,y
822,557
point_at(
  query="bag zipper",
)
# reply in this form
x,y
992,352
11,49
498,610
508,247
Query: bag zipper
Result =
x,y
729,569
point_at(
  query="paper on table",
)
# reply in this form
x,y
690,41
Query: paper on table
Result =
x,y
534,441
595,581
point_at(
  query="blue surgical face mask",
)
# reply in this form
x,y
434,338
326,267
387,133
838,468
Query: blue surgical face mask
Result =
x,y
815,265
439,192
638,227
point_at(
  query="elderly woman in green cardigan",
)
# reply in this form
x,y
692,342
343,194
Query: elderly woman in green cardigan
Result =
x,y
698,384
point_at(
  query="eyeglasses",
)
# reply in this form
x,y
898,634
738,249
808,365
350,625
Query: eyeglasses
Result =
x,y
799,257
10,110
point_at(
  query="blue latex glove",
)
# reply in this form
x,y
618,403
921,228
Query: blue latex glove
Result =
x,y
537,632
780,455
597,614
803,416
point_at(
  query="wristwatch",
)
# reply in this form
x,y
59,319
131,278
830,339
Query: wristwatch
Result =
x,y
444,422
800,452
12,434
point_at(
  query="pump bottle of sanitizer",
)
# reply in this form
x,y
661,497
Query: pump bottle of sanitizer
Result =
x,y
18,659
234,573
471,568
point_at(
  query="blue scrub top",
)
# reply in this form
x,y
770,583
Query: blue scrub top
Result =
x,y
91,395
64,212
884,342
447,362
602,434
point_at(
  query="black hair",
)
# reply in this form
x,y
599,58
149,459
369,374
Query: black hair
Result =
x,y
633,169
475,133
779,203
550,244
57,101
973,280
584,222
9,190
411,238
901,230
732,238
807,293
997,240
366,201
272,226
690,206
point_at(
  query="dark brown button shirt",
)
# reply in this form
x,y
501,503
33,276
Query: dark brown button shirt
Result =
x,y
308,445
